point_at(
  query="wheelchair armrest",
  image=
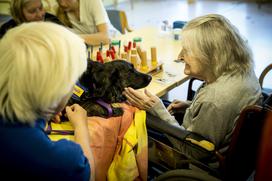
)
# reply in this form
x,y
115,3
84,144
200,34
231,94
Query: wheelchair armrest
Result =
x,y
179,133
162,126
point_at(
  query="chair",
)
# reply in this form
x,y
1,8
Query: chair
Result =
x,y
264,164
238,163
118,19
266,91
191,91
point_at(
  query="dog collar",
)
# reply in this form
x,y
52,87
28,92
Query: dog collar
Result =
x,y
78,91
105,105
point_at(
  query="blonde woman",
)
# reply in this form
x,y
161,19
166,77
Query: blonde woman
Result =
x,y
88,18
213,51
38,74
26,11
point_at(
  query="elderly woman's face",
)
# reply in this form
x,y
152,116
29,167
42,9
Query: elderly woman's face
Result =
x,y
193,66
33,11
68,5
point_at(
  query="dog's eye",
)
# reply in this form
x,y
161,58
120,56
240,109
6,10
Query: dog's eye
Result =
x,y
130,67
132,70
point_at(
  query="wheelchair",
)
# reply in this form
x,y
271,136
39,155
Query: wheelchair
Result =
x,y
238,162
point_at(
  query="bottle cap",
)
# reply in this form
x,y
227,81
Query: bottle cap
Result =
x,y
137,39
115,42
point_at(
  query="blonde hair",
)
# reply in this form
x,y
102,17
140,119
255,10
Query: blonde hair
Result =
x,y
214,41
39,64
16,10
63,17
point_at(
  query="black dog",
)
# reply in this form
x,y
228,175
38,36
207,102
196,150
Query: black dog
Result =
x,y
103,84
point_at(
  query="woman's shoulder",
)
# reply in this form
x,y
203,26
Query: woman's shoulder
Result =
x,y
36,151
236,81
229,89
6,26
52,18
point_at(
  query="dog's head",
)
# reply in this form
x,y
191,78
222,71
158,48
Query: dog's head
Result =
x,y
125,75
109,80
95,79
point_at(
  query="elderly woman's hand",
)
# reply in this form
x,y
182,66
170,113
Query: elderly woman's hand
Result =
x,y
177,106
143,100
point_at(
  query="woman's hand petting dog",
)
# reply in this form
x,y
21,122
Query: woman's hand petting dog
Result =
x,y
143,100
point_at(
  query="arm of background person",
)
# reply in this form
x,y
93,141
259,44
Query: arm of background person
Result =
x,y
96,38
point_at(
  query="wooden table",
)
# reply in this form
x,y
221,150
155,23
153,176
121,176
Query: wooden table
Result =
x,y
167,51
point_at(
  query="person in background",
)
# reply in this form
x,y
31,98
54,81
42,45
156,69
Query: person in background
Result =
x,y
213,51
26,11
87,18
38,74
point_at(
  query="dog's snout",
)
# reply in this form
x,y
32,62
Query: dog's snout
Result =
x,y
149,78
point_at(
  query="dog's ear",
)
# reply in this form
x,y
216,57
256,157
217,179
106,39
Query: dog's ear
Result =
x,y
114,92
86,78
122,73
102,81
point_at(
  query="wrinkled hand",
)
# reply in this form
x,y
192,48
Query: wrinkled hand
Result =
x,y
143,100
76,115
177,106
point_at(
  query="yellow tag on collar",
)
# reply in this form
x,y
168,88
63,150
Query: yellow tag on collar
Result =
x,y
78,91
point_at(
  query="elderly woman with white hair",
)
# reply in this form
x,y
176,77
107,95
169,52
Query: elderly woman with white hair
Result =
x,y
38,74
213,51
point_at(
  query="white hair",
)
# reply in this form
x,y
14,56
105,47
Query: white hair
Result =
x,y
39,64
214,41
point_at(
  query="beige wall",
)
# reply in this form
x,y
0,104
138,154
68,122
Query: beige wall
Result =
x,y
111,2
4,6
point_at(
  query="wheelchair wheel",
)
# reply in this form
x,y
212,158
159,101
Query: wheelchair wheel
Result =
x,y
185,175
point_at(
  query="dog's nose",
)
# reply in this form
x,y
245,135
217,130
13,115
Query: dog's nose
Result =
x,y
149,78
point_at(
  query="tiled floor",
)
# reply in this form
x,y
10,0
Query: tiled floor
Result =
x,y
255,24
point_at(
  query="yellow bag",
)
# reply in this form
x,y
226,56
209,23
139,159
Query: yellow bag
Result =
x,y
58,131
130,160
